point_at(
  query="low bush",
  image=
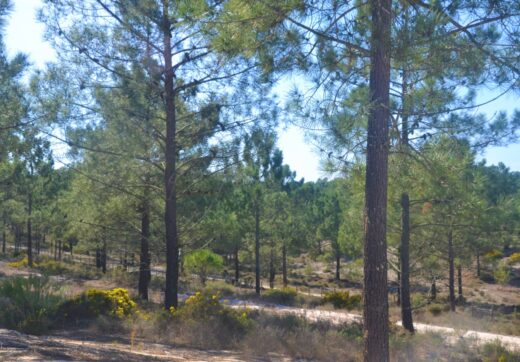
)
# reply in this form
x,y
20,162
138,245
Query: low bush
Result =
x,y
44,265
514,258
285,296
28,304
501,273
219,287
342,299
22,263
94,303
493,254
202,321
436,309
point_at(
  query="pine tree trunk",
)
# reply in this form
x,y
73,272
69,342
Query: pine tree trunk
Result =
x,y
17,237
272,272
98,258
478,263
434,290
338,268
284,265
29,232
144,257
4,236
451,262
170,175
459,282
406,306
375,290
60,249
398,301
104,256
237,266
257,246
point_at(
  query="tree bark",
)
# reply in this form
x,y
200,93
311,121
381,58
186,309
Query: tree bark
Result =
x,y
98,258
272,272
257,245
284,266
375,291
406,306
4,235
434,290
170,175
237,266
29,231
451,262
398,301
338,268
144,257
478,263
459,282
104,256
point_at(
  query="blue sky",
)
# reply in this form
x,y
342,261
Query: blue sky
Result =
x,y
24,34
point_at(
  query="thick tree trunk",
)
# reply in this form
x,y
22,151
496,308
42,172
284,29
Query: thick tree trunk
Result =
x,y
60,249
375,290
451,262
338,268
398,301
459,282
237,266
406,306
284,265
257,246
144,258
170,174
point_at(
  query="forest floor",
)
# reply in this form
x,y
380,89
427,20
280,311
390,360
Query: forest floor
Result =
x,y
85,345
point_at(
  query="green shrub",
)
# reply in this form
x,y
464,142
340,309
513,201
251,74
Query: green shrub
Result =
x,y
436,309
203,312
501,273
94,302
27,304
286,296
50,267
497,352
342,299
219,287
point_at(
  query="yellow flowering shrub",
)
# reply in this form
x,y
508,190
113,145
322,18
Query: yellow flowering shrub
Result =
x,y
94,302
514,258
342,299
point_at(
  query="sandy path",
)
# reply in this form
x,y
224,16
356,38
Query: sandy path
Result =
x,y
336,317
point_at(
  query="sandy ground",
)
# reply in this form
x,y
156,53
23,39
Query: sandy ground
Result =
x,y
15,346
